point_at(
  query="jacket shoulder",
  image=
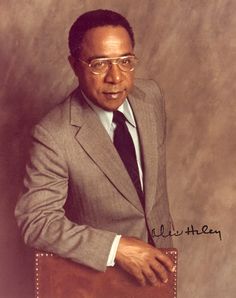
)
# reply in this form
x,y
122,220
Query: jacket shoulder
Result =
x,y
148,87
58,116
152,93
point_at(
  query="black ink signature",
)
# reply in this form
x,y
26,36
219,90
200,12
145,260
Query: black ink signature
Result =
x,y
189,231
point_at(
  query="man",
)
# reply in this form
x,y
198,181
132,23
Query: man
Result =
x,y
95,184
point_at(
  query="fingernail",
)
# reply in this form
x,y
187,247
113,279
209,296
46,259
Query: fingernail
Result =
x,y
165,281
173,269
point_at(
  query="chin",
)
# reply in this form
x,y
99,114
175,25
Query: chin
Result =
x,y
111,107
117,105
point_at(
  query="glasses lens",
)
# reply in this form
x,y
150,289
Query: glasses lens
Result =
x,y
98,66
102,65
127,63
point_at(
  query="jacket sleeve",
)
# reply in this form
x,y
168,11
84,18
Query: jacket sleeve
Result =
x,y
40,213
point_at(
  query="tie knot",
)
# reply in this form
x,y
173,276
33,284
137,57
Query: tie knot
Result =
x,y
118,117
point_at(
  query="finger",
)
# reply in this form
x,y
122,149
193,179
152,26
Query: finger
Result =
x,y
151,276
160,270
165,260
139,276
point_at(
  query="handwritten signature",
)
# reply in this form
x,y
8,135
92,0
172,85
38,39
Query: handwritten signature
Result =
x,y
190,230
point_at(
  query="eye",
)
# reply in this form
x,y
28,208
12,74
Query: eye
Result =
x,y
98,64
126,61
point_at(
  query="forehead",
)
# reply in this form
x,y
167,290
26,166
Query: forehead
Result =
x,y
107,41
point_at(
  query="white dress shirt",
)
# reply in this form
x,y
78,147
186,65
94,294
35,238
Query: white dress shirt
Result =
x,y
106,120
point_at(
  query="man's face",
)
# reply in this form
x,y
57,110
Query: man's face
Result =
x,y
107,90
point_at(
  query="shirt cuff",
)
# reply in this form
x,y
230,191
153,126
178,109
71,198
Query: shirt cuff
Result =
x,y
112,254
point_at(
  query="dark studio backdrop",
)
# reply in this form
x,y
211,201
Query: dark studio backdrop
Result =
x,y
189,47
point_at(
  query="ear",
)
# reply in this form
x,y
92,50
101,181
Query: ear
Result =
x,y
72,62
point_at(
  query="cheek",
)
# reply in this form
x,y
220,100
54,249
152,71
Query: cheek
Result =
x,y
129,78
92,83
97,85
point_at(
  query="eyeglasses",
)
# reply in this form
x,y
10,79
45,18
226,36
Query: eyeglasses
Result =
x,y
102,65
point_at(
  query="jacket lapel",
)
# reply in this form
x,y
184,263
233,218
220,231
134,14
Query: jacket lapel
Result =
x,y
148,135
93,138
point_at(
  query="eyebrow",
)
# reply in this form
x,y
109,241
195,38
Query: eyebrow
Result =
x,y
104,56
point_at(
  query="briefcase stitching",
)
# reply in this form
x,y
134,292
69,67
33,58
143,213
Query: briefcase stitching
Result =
x,y
174,254
37,285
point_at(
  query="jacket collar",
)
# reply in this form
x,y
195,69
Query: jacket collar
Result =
x,y
91,135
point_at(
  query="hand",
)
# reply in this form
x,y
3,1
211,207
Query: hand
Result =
x,y
143,261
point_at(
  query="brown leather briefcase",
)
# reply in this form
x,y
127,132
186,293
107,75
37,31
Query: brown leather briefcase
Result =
x,y
56,277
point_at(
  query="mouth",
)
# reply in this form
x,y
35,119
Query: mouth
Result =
x,y
113,95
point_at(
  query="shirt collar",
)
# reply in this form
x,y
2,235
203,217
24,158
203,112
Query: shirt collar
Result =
x,y
107,116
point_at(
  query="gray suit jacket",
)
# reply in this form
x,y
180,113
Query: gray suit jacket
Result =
x,y
78,194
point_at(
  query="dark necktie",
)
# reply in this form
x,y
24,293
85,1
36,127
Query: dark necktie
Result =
x,y
125,147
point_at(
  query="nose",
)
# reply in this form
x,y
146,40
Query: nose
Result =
x,y
114,74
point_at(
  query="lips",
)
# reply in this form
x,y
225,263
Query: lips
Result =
x,y
113,95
